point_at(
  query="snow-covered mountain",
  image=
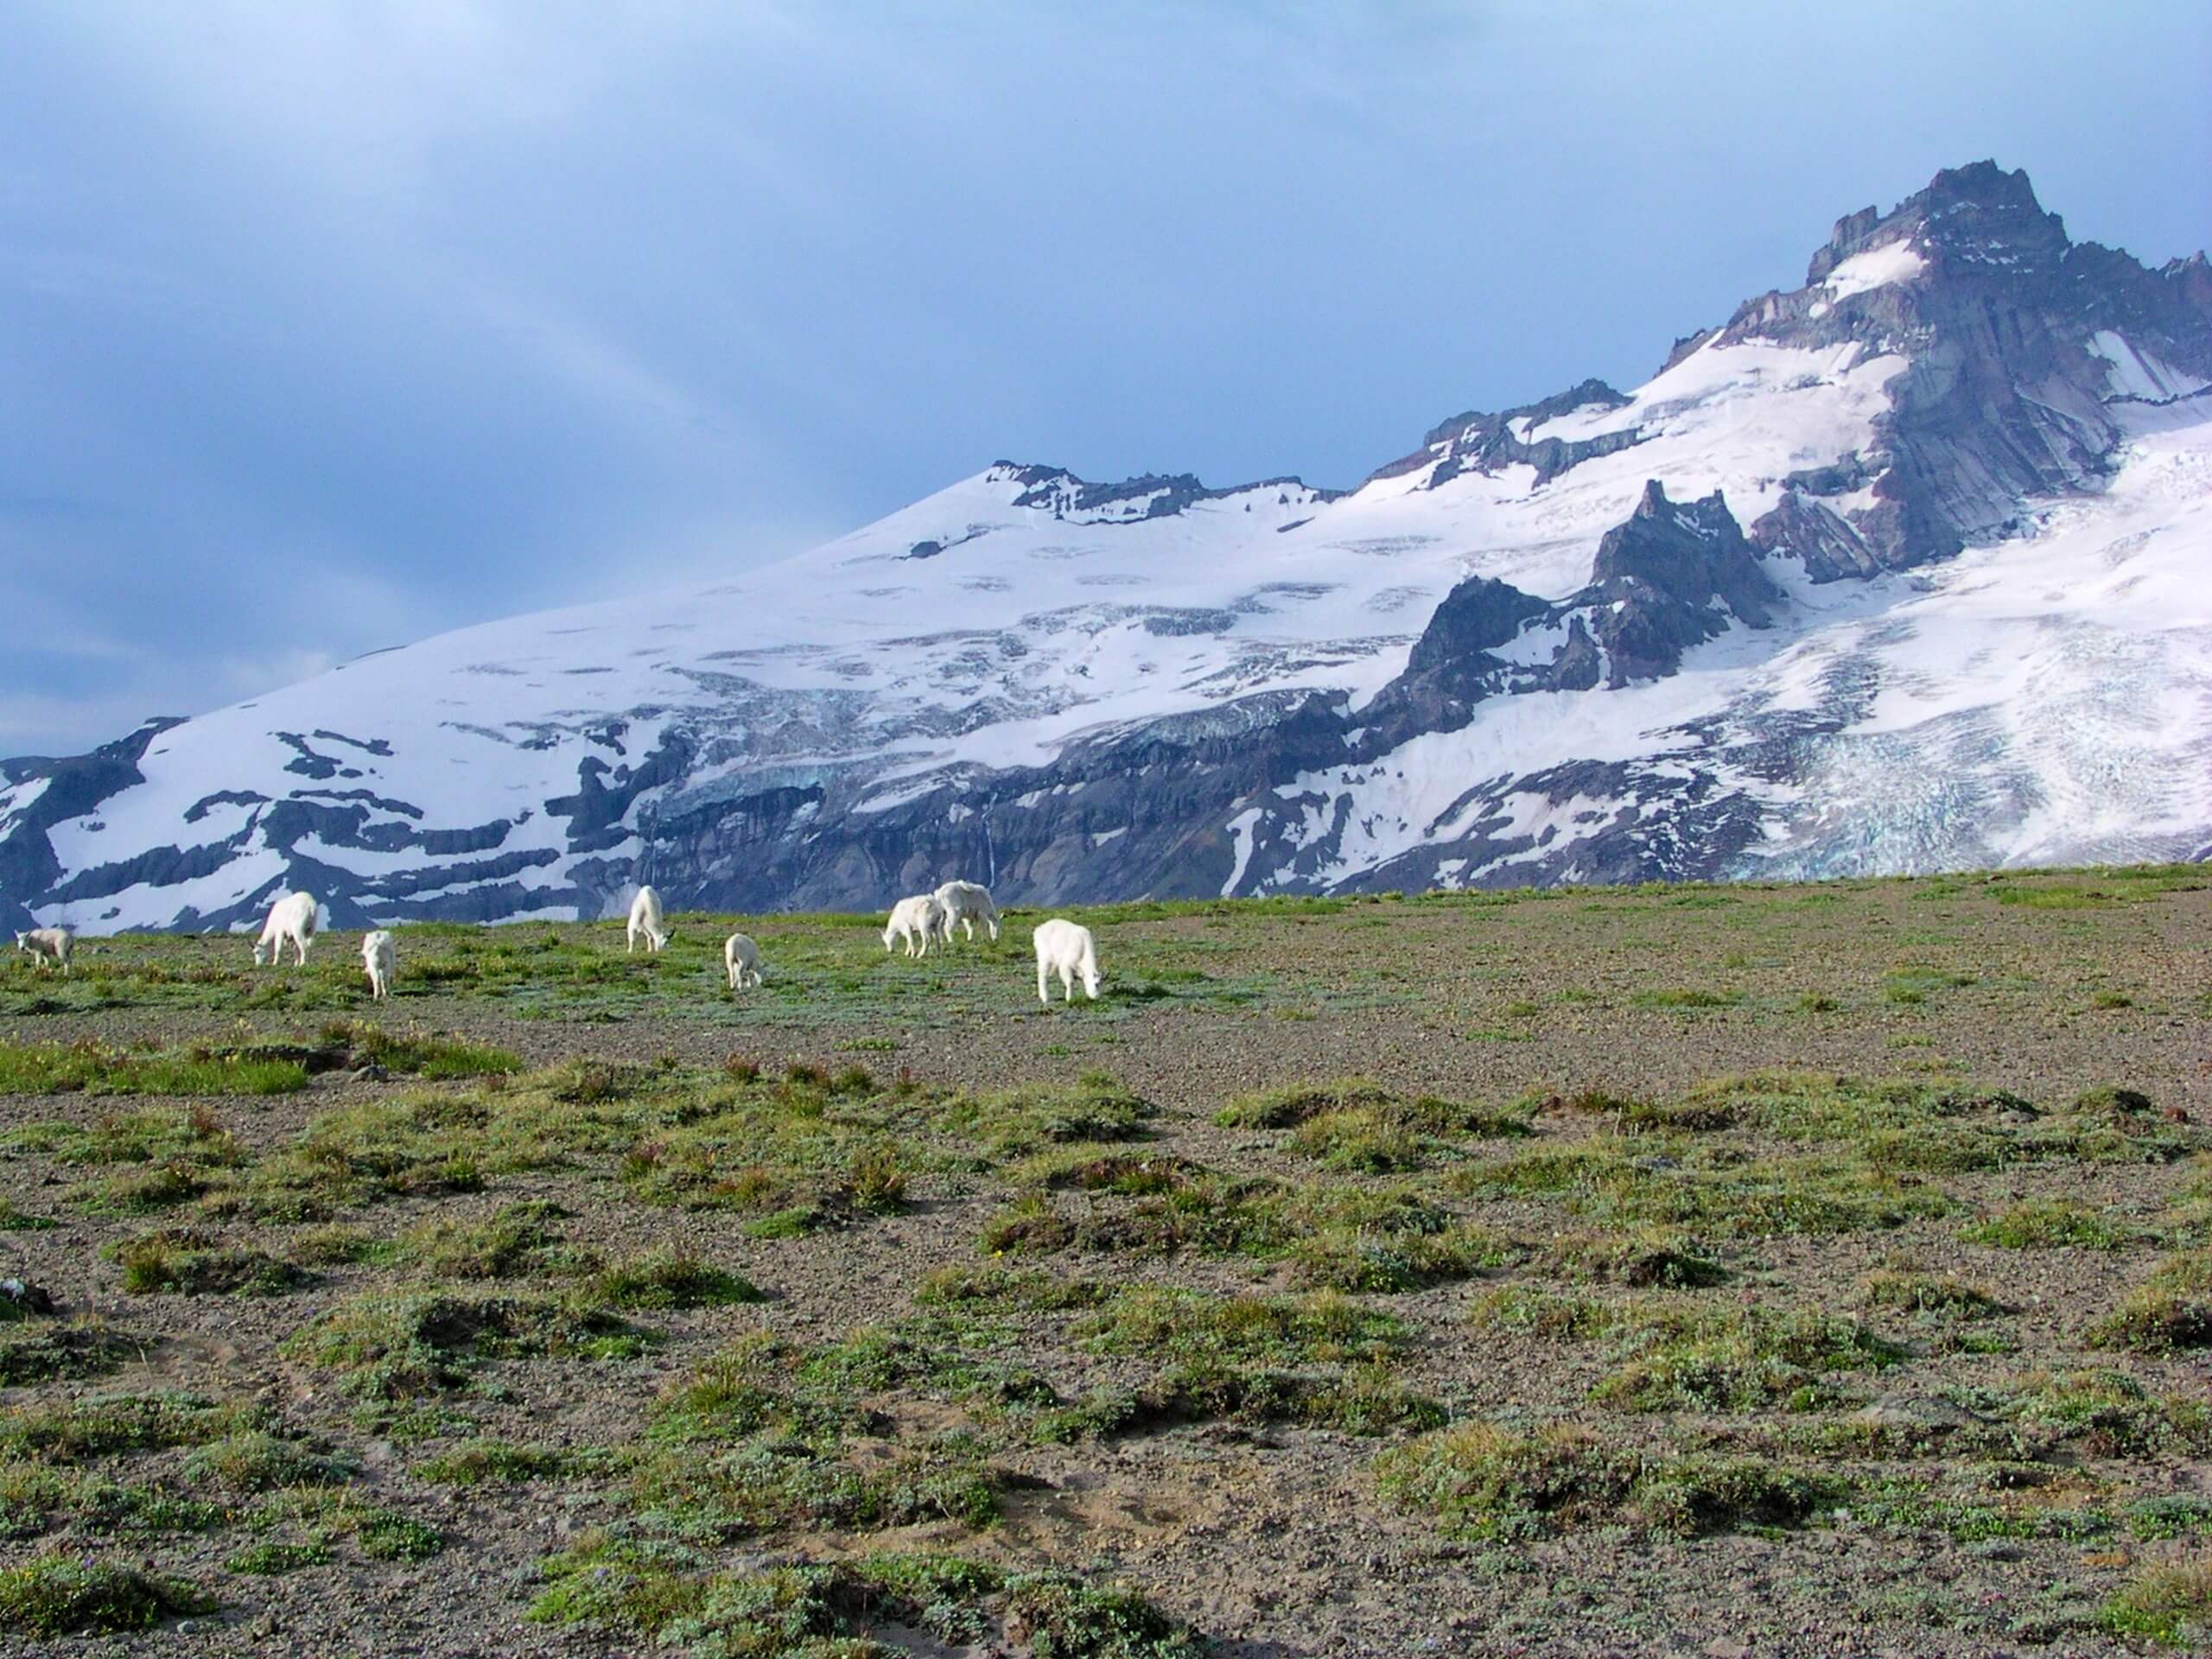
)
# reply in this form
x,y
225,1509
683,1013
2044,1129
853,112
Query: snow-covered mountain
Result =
x,y
1909,566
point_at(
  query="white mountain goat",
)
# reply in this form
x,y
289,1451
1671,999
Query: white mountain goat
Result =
x,y
916,920
1067,950
379,957
742,958
646,918
967,903
47,946
291,919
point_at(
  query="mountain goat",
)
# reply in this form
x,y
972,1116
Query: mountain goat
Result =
x,y
46,947
915,920
291,919
1065,949
967,903
742,959
646,918
379,956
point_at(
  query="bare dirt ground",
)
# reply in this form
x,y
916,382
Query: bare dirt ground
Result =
x,y
1778,1271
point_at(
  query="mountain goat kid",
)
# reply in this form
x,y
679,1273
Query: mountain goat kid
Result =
x,y
967,903
646,918
917,920
47,946
742,959
291,919
1067,950
379,957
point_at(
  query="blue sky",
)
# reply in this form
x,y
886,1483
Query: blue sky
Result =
x,y
324,327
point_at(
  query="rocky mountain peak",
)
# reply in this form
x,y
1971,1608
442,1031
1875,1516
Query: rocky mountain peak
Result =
x,y
1976,214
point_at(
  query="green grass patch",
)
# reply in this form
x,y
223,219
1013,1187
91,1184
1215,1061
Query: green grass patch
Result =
x,y
2168,1603
2170,1313
1500,1484
387,1347
2050,1224
91,1068
189,1262
46,1352
58,1595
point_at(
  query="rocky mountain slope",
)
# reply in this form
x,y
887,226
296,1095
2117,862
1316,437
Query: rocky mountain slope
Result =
x,y
1906,568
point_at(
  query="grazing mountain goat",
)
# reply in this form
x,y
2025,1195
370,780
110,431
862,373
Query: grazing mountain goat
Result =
x,y
292,918
46,947
742,958
915,920
967,903
645,917
379,956
1065,948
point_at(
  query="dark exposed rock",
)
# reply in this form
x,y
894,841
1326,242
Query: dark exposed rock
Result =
x,y
1153,495
1477,443
1808,530
1661,578
75,785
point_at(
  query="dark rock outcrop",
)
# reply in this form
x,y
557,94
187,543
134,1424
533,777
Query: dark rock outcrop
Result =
x,y
1662,581
1475,441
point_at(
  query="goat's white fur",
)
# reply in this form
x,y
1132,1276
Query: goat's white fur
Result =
x,y
379,957
646,918
916,920
1066,949
47,946
967,903
291,919
741,958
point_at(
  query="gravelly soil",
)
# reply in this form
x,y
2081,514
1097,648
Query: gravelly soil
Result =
x,y
1268,1537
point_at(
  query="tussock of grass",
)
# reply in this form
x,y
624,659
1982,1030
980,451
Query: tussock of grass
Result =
x,y
1335,1238
419,1053
2168,1602
273,1558
189,1262
2170,1312
1000,1289
1542,1312
1485,1481
57,1595
517,1241
46,1352
1017,1122
2049,1224
71,1430
669,1278
666,1595
2106,1414
1711,1358
1943,1294
255,1460
1689,1355
493,1463
1637,1257
1193,1324
1711,1190
409,1346
1355,1124
38,1498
